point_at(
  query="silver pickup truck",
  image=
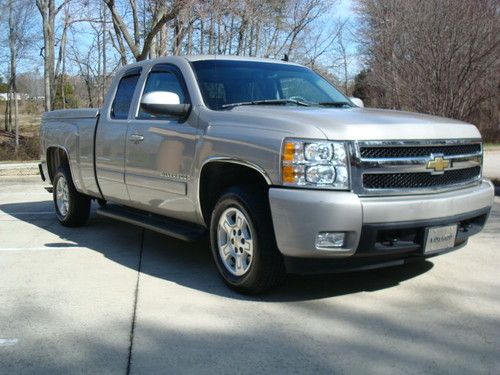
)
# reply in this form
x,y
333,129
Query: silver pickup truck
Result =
x,y
282,171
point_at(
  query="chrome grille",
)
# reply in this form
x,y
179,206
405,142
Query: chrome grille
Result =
x,y
412,167
418,180
416,151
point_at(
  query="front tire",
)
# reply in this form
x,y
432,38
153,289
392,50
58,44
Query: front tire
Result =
x,y
72,207
243,243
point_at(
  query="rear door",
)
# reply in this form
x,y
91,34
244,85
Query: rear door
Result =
x,y
111,138
160,150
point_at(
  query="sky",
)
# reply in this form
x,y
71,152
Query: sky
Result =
x,y
344,10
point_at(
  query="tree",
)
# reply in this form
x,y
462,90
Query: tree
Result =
x,y
65,95
433,56
20,38
13,36
4,87
362,88
161,14
48,11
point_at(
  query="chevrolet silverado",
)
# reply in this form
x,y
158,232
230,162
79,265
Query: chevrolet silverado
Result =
x,y
281,170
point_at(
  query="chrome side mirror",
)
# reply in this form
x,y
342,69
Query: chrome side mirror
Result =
x,y
164,103
357,102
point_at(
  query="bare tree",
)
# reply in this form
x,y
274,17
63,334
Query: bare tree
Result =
x,y
161,14
20,38
434,56
49,11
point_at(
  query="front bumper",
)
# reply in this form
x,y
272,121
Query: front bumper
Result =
x,y
371,223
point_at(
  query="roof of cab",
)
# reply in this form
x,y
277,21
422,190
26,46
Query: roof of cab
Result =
x,y
190,58
235,58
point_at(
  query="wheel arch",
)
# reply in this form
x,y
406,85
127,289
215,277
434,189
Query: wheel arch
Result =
x,y
218,174
57,156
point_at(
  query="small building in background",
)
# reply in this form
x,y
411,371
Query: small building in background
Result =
x,y
6,96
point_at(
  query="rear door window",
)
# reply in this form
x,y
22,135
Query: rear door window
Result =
x,y
123,96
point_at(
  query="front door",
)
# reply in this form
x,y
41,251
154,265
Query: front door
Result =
x,y
160,151
111,138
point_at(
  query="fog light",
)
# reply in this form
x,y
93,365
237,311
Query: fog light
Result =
x,y
330,240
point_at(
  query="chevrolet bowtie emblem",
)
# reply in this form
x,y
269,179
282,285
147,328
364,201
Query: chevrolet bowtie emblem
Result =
x,y
438,164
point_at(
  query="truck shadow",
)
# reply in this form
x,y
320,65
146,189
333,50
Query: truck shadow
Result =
x,y
190,264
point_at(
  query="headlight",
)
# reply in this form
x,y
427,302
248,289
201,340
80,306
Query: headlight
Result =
x,y
314,164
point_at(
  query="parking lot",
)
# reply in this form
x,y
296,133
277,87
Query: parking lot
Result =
x,y
113,298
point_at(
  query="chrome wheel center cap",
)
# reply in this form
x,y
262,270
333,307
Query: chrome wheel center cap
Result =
x,y
234,239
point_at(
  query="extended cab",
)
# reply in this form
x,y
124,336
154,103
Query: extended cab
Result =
x,y
281,170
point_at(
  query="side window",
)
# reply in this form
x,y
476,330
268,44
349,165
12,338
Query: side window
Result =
x,y
123,97
163,80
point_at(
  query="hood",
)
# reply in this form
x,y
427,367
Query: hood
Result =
x,y
354,123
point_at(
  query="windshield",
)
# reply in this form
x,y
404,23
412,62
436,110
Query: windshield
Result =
x,y
227,83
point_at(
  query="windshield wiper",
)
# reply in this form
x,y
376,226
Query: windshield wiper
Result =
x,y
335,104
267,101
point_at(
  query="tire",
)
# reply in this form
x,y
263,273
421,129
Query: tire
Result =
x,y
252,263
72,207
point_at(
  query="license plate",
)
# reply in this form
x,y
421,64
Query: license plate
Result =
x,y
440,238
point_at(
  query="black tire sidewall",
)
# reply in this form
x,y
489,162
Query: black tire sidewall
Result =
x,y
61,174
78,204
266,257
232,201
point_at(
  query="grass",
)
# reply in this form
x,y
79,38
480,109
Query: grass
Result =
x,y
491,147
17,161
29,144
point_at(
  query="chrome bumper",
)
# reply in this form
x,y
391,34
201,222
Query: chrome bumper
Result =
x,y
298,215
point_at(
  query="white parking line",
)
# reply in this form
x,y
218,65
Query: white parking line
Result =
x,y
8,342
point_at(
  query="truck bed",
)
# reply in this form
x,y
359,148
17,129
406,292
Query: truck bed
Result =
x,y
74,130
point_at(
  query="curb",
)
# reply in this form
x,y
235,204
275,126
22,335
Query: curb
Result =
x,y
19,169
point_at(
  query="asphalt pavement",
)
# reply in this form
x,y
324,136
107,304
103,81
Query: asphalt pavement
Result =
x,y
113,298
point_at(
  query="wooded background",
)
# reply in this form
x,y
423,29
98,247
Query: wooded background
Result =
x,y
434,56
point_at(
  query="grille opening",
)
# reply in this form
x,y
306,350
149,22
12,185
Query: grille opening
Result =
x,y
396,238
381,152
419,180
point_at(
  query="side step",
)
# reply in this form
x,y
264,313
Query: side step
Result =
x,y
170,227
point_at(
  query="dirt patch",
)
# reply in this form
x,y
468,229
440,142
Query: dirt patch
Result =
x,y
29,142
29,146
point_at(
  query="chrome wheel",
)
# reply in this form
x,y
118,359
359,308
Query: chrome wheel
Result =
x,y
62,196
235,241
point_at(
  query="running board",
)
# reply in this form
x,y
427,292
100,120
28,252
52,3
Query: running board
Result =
x,y
170,227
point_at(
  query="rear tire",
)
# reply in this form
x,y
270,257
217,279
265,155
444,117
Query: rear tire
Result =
x,y
72,207
243,243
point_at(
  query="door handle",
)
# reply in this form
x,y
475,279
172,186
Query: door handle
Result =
x,y
136,138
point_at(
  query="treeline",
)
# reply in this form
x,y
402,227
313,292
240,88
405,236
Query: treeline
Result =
x,y
95,37
432,56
